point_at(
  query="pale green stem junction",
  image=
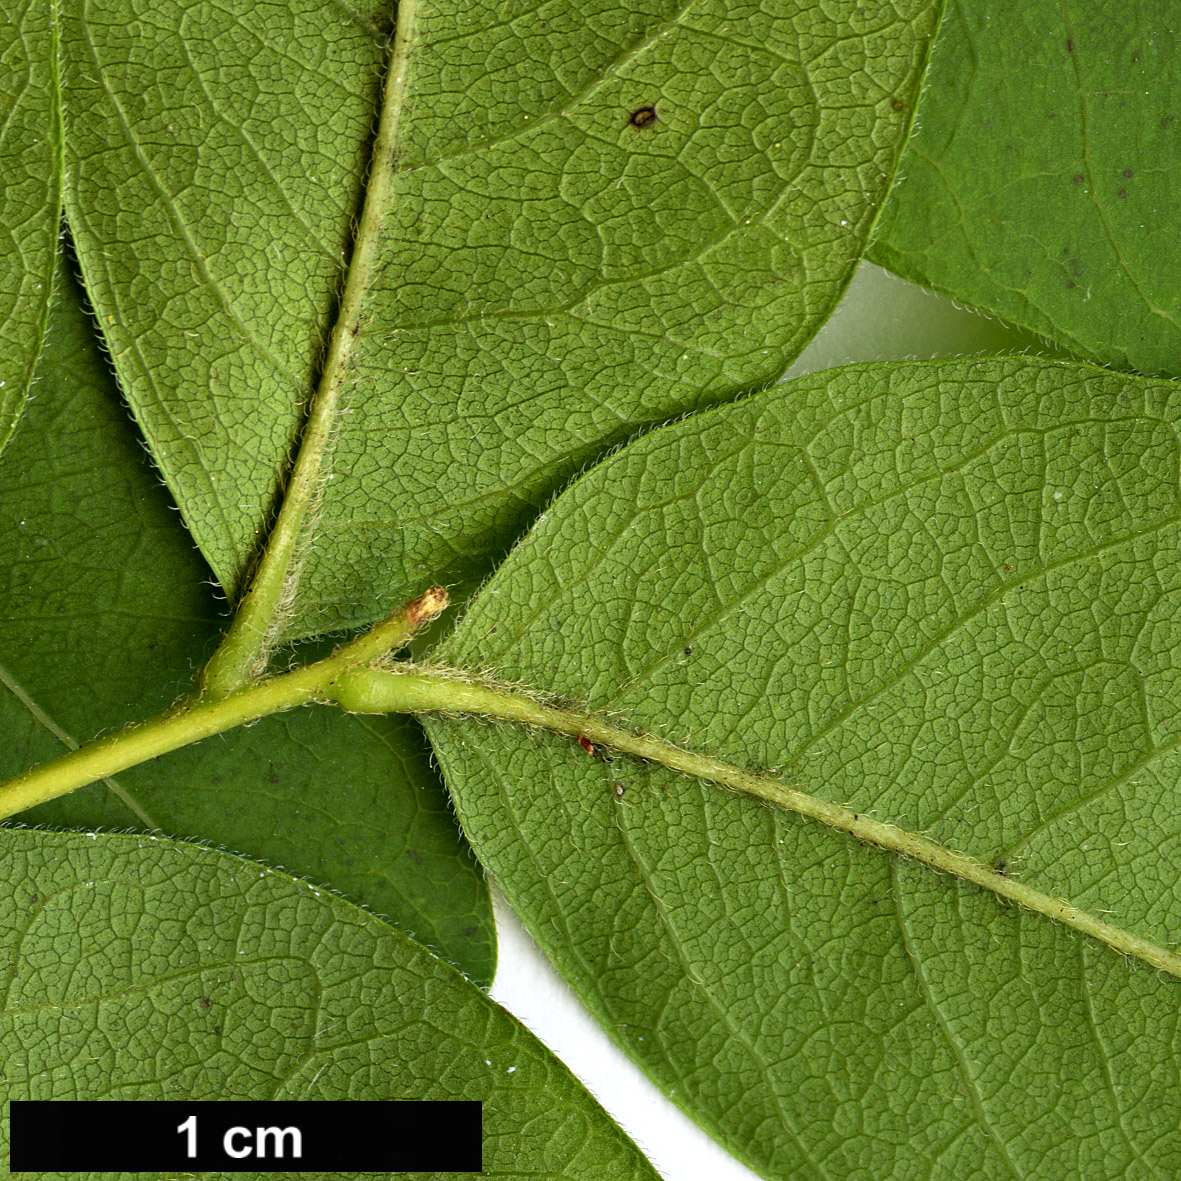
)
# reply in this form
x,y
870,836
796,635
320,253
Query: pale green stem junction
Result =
x,y
355,678
251,635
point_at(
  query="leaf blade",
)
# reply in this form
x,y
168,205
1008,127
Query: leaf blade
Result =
x,y
308,998
104,616
1039,183
30,200
828,580
492,285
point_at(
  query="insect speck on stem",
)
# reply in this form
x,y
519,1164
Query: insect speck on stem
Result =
x,y
587,746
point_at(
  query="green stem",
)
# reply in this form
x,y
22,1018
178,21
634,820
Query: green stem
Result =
x,y
407,689
246,646
375,690
147,740
197,719
396,631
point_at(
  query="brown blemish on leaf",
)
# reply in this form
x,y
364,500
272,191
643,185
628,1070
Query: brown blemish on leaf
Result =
x,y
1122,193
206,1003
1069,45
897,104
1126,174
642,118
1078,178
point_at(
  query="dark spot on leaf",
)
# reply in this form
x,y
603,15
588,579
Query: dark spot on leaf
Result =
x,y
468,932
1126,174
217,1030
273,776
897,104
415,856
1069,45
1071,283
688,651
1122,193
644,117
206,1003
1078,178
999,867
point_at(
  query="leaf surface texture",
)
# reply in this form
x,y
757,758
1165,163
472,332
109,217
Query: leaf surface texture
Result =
x,y
556,272
30,197
1042,181
105,613
222,977
946,594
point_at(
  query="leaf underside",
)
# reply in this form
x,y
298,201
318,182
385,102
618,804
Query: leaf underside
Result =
x,y
553,275
1043,182
220,977
947,594
104,616
30,196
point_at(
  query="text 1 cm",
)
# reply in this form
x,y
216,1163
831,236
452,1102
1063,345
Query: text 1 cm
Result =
x,y
239,1142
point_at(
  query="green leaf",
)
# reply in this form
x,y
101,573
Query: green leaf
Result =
x,y
1042,183
30,196
103,619
221,976
947,595
558,269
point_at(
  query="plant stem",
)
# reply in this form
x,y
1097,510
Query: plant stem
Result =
x,y
396,631
406,688
159,735
247,643
194,720
374,690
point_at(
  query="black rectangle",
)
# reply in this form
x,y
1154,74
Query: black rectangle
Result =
x,y
244,1137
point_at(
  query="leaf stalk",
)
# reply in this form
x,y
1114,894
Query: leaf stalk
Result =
x,y
355,678
254,630
436,691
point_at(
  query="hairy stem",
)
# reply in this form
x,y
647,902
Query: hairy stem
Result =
x,y
375,690
405,688
157,736
244,650
192,721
